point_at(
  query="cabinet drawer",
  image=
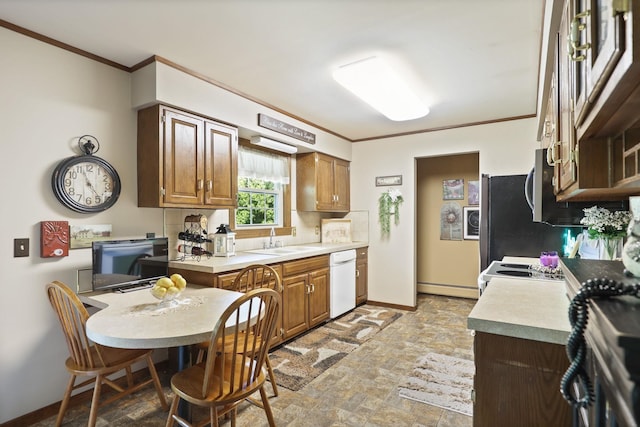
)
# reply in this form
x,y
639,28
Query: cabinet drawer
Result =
x,y
225,280
304,265
362,254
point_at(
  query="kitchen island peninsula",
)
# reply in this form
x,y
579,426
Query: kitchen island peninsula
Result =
x,y
521,328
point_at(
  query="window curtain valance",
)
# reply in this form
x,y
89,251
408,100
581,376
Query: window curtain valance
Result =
x,y
262,165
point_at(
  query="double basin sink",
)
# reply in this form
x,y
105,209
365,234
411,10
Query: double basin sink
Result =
x,y
285,250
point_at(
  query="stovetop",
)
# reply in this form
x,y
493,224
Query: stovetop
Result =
x,y
521,271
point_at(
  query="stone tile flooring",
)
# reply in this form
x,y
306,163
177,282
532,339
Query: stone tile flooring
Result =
x,y
360,390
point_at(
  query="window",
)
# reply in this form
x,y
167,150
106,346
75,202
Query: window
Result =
x,y
258,202
263,192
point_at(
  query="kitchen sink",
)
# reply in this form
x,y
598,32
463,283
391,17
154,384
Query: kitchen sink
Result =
x,y
283,250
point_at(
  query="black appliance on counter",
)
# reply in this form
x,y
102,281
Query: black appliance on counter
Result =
x,y
507,227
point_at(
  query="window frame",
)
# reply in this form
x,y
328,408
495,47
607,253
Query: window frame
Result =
x,y
257,230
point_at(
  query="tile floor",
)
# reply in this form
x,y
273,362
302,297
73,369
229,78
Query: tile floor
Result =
x,y
360,390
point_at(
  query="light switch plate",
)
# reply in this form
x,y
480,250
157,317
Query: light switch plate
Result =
x,y
20,247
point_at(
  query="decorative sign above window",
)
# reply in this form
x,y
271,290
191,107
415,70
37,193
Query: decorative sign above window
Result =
x,y
286,129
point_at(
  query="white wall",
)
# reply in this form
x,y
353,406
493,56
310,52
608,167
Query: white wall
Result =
x,y
50,97
505,148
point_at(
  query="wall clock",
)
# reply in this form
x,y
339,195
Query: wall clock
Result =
x,y
86,183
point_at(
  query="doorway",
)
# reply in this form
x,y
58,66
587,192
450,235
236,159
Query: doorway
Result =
x,y
447,263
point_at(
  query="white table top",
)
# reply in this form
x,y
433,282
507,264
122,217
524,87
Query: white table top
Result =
x,y
137,320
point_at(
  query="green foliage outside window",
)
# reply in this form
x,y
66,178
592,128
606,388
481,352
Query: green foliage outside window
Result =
x,y
257,202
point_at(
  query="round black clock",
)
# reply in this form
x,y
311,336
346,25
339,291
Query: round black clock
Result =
x,y
86,183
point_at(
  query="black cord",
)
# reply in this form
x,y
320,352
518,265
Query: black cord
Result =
x,y
576,344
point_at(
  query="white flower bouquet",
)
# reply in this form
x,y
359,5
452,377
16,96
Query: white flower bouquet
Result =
x,y
603,223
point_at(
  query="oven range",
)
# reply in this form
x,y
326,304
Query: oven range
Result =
x,y
517,271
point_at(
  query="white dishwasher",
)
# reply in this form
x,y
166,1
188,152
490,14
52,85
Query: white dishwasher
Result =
x,y
342,282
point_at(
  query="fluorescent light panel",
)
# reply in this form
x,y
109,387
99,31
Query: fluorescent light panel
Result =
x,y
373,81
274,145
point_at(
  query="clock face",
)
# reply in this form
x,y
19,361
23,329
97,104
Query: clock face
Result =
x,y
86,184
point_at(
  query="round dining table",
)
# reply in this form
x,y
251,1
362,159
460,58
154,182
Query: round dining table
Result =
x,y
138,320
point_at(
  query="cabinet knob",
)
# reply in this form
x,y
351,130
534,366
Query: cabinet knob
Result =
x,y
209,185
200,184
357,273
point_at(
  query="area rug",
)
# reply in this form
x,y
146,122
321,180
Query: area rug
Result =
x,y
442,381
299,362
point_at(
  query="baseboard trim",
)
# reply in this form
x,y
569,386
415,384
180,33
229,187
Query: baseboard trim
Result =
x,y
396,306
448,290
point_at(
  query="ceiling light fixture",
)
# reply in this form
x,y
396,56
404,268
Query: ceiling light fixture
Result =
x,y
274,145
373,81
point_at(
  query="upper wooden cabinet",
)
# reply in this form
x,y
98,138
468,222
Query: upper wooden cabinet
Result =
x,y
596,76
322,183
185,160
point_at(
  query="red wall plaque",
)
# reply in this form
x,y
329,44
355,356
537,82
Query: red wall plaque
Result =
x,y
54,239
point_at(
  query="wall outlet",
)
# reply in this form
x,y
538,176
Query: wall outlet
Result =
x,y
317,230
20,247
293,231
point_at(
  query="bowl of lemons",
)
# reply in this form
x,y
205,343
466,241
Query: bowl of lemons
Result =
x,y
169,288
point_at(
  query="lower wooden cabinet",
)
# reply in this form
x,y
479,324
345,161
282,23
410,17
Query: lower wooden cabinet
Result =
x,y
305,294
362,268
517,382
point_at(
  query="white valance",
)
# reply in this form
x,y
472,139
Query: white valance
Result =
x,y
262,165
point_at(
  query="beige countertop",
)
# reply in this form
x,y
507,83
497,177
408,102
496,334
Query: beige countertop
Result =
x,y
529,309
243,259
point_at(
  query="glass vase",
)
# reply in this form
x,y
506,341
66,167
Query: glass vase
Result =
x,y
610,248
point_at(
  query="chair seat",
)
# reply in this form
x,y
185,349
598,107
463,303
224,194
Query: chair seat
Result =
x,y
114,359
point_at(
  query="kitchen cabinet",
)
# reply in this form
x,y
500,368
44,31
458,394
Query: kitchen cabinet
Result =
x,y
185,160
322,183
362,268
612,338
517,382
597,73
305,294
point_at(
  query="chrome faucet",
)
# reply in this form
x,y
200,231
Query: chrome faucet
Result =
x,y
271,234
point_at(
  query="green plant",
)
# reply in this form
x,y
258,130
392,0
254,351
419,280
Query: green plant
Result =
x,y
602,223
389,204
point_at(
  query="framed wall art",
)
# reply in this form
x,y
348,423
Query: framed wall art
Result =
x,y
471,223
382,181
453,189
473,193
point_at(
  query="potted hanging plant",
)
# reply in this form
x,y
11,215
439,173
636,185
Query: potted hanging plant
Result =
x,y
388,204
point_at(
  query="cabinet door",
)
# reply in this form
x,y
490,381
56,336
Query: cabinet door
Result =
x,y
325,195
606,40
565,166
318,296
294,297
183,164
579,57
220,165
341,185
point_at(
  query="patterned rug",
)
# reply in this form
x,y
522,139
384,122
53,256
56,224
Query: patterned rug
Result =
x,y
442,381
303,359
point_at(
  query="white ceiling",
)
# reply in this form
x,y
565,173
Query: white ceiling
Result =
x,y
473,60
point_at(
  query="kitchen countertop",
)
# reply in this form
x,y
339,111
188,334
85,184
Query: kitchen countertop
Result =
x,y
244,259
534,310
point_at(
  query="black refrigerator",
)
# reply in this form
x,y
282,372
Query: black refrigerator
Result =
x,y
506,222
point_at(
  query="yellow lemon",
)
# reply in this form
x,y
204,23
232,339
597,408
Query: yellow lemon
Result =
x,y
158,291
165,282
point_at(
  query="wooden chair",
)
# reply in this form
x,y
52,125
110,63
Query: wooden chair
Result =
x,y
94,360
254,276
234,367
